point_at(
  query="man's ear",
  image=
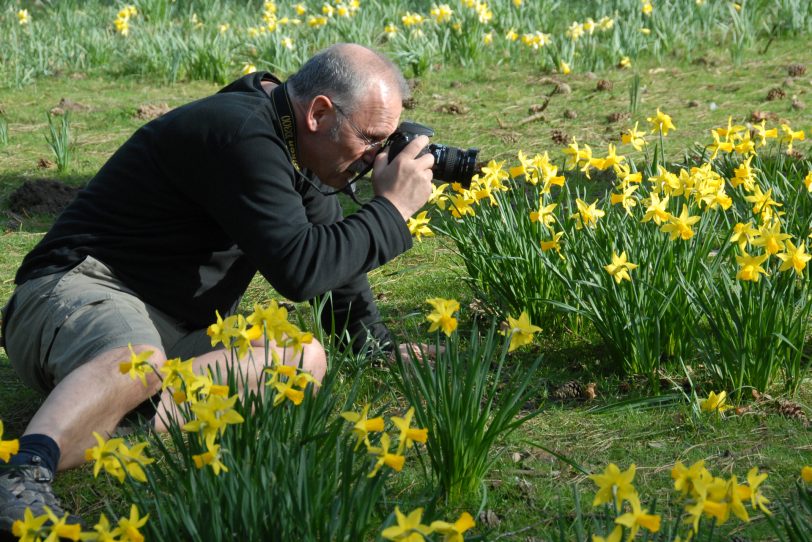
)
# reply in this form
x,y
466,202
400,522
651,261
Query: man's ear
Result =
x,y
320,114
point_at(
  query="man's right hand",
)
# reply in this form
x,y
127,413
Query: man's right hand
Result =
x,y
406,181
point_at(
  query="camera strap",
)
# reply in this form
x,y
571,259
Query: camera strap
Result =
x,y
286,126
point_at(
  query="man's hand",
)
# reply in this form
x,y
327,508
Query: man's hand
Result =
x,y
420,352
406,181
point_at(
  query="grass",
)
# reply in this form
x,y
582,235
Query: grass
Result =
x,y
529,487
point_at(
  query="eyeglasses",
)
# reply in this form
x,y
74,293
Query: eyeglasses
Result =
x,y
370,145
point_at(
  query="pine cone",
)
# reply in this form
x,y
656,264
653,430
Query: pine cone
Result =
x,y
560,138
796,70
569,390
617,116
797,104
776,94
604,84
758,116
571,114
788,409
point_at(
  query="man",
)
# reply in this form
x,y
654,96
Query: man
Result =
x,y
175,225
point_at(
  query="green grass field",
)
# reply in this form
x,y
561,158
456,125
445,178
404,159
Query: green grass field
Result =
x,y
488,107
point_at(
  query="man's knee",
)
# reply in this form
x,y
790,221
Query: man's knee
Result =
x,y
314,359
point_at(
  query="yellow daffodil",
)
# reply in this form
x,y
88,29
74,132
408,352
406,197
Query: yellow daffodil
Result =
x,y
634,138
102,531
806,474
656,210
625,199
552,244
408,528
615,536
521,331
613,484
130,526
619,268
808,182
442,316
544,215
29,528
685,477
117,459
770,238
788,135
743,234
714,402
393,461
638,517
419,226
23,17
285,390
138,366
211,457
587,215
176,372
750,266
661,123
462,204
564,68
453,532
744,175
408,435
757,499
762,201
794,258
362,425
442,13
680,227
7,447
575,31
212,416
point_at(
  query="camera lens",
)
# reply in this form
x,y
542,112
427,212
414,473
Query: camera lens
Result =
x,y
452,164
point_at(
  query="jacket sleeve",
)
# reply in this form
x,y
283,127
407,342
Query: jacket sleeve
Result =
x,y
249,188
350,309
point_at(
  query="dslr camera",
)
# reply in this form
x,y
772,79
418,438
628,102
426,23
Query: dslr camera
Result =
x,y
451,164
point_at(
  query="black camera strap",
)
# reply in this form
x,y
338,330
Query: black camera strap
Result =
x,y
286,126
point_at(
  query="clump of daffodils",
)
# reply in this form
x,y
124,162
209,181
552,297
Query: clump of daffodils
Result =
x,y
363,426
410,527
123,17
211,407
703,494
49,526
520,330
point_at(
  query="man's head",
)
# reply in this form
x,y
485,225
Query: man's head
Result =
x,y
348,99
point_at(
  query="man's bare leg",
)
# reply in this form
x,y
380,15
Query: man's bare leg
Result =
x,y
313,360
94,397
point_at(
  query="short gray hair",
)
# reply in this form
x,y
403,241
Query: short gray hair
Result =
x,y
334,73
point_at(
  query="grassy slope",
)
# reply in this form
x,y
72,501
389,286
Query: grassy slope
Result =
x,y
497,100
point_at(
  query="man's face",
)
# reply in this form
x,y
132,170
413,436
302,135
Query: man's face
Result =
x,y
353,139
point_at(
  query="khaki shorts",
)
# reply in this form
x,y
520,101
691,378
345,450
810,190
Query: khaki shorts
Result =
x,y
54,324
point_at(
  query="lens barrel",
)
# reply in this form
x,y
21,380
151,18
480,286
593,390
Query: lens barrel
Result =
x,y
452,164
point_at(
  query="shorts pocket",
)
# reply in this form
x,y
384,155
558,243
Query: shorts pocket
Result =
x,y
64,311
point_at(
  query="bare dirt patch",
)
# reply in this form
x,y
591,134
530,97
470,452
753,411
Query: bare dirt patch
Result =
x,y
41,196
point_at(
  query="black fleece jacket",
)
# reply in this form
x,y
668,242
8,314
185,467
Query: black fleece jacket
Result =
x,y
200,199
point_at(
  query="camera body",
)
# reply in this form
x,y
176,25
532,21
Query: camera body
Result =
x,y
451,164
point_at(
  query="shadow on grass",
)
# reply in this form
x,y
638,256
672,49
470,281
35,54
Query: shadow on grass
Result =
x,y
19,402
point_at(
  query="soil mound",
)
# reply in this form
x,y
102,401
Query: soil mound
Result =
x,y
41,196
